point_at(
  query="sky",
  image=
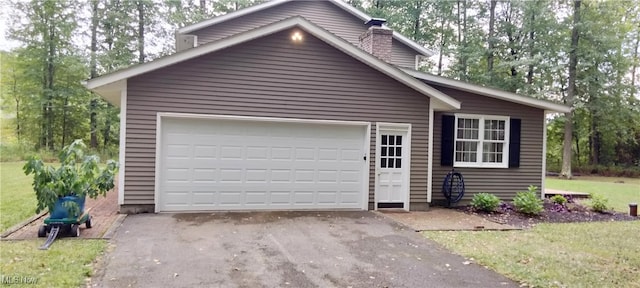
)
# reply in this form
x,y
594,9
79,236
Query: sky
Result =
x,y
5,44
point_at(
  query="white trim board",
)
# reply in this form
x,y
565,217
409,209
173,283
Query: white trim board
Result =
x,y
341,4
443,101
486,91
400,127
544,158
430,156
366,143
123,144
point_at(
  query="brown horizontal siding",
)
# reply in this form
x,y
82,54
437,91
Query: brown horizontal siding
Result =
x,y
322,13
503,182
402,55
270,77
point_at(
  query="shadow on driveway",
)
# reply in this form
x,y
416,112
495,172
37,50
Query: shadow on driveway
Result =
x,y
281,249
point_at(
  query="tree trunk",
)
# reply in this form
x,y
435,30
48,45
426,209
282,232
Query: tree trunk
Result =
x,y
532,37
93,122
573,63
635,60
141,31
513,38
594,142
416,23
203,7
491,38
442,45
17,99
575,137
462,42
106,135
64,121
50,86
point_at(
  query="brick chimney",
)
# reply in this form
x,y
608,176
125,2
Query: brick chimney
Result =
x,y
377,39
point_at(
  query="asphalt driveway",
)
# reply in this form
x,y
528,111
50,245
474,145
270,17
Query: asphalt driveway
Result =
x,y
281,249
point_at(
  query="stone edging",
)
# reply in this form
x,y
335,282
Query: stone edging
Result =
x,y
19,226
114,226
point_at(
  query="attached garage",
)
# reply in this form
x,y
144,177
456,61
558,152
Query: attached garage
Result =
x,y
245,163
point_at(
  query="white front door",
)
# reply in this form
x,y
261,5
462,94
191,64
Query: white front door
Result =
x,y
393,156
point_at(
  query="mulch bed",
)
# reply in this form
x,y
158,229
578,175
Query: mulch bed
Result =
x,y
570,213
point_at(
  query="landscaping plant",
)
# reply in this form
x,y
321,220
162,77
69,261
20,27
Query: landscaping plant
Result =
x,y
599,203
77,175
485,202
528,202
558,199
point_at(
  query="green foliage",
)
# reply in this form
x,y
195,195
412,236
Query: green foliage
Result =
x,y
485,202
16,195
78,174
619,191
68,263
558,199
528,202
599,203
554,255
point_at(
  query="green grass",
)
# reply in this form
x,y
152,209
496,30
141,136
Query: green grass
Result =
x,y
619,194
555,255
17,199
66,264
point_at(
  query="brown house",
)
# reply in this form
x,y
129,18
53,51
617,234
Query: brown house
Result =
x,y
311,105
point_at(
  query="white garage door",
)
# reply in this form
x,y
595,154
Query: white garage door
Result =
x,y
252,165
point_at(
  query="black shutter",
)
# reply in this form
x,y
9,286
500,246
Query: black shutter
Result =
x,y
446,147
514,143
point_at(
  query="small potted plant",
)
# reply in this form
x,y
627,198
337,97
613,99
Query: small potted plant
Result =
x,y
62,188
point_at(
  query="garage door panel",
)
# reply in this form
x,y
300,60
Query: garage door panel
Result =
x,y
245,165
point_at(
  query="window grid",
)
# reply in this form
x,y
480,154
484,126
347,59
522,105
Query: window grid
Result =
x,y
475,135
391,151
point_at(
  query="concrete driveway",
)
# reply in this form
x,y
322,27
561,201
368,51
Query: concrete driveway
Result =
x,y
281,249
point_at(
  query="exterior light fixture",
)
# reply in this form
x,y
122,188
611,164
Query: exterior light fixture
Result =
x,y
296,36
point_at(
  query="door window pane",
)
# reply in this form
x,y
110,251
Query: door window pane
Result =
x,y
391,151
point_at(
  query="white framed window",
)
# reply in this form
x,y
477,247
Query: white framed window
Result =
x,y
481,141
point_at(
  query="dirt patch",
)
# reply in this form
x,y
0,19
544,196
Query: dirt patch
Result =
x,y
195,219
442,219
570,213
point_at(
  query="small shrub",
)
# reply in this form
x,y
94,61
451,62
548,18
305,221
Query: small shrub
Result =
x,y
599,203
528,202
558,199
485,202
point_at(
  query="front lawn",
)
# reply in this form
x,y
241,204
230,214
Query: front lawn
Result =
x,y
17,199
596,254
619,194
67,263
603,254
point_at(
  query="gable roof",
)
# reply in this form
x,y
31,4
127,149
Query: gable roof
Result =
x,y
486,91
111,85
341,4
